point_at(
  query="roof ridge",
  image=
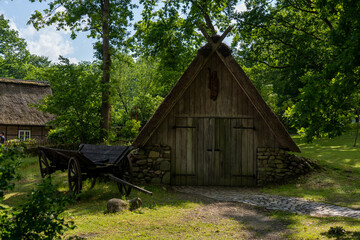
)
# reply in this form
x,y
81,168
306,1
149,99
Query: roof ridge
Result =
x,y
28,82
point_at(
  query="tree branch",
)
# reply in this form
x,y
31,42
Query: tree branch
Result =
x,y
206,16
327,22
276,38
276,67
292,26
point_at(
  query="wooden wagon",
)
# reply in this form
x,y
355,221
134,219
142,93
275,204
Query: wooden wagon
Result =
x,y
90,162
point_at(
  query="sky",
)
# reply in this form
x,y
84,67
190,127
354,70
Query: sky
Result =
x,y
47,41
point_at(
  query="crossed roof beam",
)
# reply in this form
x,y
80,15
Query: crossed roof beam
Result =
x,y
210,40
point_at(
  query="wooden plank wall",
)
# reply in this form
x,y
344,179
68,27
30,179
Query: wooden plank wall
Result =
x,y
12,131
231,108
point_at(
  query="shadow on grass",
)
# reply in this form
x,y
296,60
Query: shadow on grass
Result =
x,y
340,233
258,224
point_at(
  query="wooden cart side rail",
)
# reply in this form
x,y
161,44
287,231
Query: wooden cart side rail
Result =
x,y
66,155
112,177
83,161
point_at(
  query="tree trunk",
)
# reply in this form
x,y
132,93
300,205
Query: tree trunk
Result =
x,y
105,105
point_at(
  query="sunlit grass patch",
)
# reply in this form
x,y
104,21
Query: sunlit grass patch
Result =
x,y
307,227
339,180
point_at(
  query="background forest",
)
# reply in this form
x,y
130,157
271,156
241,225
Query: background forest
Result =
x,y
302,55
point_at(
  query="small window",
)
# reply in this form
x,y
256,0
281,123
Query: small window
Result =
x,y
24,135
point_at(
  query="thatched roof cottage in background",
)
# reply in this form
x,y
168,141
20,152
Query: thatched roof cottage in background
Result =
x,y
17,119
214,128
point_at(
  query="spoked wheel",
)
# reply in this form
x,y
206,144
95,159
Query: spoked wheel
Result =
x,y
125,174
44,164
74,176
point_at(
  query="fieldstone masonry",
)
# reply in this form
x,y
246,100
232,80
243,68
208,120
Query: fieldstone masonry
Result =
x,y
276,165
151,165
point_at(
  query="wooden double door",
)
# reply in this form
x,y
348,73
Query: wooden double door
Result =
x,y
214,152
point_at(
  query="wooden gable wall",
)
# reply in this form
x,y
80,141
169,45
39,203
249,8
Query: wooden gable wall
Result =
x,y
205,135
230,103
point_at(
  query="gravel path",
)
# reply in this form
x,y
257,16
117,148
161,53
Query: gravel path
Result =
x,y
272,202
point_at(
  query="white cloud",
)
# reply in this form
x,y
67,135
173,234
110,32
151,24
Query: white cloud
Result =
x,y
47,42
73,60
241,7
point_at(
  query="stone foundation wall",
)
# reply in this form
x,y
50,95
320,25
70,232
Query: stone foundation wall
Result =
x,y
276,165
151,165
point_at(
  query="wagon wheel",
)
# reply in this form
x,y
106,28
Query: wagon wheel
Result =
x,y
125,174
74,176
44,164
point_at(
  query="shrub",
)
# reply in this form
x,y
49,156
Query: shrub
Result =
x,y
9,163
39,217
131,129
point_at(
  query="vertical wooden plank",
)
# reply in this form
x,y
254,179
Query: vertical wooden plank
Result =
x,y
220,132
178,157
235,149
195,149
172,141
239,151
245,147
233,162
201,92
192,97
207,138
190,159
251,156
183,122
200,152
227,155
186,100
217,151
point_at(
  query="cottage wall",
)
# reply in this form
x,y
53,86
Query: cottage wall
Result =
x,y
12,131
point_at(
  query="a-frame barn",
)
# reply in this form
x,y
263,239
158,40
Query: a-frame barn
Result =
x,y
215,125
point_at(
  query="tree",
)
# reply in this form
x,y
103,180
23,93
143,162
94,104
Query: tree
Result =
x,y
102,19
170,32
136,89
76,102
309,51
15,60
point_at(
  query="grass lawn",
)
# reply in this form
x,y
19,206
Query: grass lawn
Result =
x,y
171,215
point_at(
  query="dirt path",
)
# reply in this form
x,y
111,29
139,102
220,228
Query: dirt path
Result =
x,y
257,224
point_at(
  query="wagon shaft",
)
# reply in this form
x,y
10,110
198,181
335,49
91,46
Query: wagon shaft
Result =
x,y
118,180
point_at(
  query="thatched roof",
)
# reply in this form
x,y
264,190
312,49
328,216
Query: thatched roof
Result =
x,y
243,81
15,97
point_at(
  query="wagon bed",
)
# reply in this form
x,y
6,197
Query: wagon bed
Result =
x,y
90,162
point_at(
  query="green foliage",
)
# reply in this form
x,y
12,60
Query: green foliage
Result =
x,y
136,89
9,163
131,129
39,217
309,52
87,16
170,32
145,105
15,60
75,101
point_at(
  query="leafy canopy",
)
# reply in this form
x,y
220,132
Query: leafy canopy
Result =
x,y
75,101
15,60
309,52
